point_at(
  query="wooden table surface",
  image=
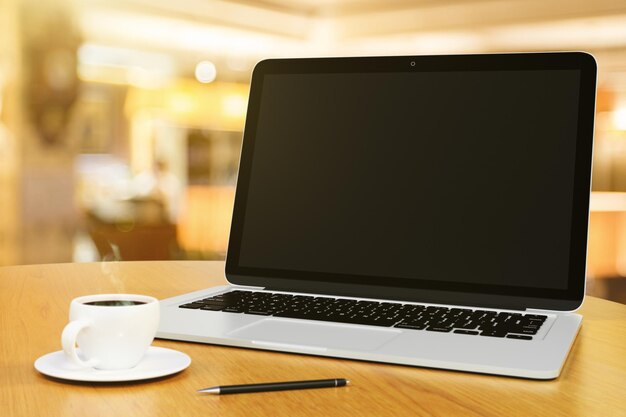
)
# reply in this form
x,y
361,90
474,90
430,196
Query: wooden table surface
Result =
x,y
34,304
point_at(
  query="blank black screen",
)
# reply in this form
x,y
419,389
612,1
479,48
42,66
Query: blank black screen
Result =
x,y
439,176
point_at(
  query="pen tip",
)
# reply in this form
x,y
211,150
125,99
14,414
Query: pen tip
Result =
x,y
212,390
347,382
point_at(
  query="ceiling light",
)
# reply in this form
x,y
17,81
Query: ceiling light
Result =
x,y
619,118
206,72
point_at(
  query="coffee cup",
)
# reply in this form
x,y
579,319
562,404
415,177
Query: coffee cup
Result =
x,y
113,331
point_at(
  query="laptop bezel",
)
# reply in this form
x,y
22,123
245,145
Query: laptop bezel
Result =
x,y
448,292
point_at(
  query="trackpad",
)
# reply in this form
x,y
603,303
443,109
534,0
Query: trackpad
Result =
x,y
321,335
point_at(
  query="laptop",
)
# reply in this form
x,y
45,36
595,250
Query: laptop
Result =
x,y
418,210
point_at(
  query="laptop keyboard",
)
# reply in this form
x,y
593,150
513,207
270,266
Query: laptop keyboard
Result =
x,y
404,316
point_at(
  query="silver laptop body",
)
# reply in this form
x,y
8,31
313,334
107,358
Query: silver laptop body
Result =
x,y
437,183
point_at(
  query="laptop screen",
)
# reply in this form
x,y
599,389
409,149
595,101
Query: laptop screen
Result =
x,y
437,179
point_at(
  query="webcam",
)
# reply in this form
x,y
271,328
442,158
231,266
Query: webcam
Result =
x,y
412,63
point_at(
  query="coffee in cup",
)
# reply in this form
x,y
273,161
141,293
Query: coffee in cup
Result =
x,y
113,331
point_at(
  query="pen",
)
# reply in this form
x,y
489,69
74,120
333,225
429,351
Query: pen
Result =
x,y
276,386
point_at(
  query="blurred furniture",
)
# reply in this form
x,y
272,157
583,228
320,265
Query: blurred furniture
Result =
x,y
34,302
205,220
133,230
606,255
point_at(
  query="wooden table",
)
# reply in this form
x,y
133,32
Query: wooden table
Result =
x,y
34,304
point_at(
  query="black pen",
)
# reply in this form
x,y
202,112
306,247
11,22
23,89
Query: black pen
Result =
x,y
276,386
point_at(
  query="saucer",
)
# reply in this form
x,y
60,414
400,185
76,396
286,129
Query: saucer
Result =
x,y
156,362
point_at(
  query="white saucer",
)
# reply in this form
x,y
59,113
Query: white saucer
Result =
x,y
156,362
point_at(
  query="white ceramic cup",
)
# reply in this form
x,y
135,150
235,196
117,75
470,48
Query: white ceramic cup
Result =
x,y
110,336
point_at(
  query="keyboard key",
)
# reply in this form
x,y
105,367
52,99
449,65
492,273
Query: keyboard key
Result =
x,y
191,305
234,309
369,322
467,325
473,332
519,336
536,317
460,310
493,334
439,329
259,312
215,303
212,307
384,322
290,314
411,326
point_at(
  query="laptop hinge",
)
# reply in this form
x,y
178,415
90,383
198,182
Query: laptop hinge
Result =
x,y
538,310
247,287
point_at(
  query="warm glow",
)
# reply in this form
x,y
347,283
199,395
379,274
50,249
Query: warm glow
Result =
x,y
205,72
619,118
606,255
234,105
218,105
607,201
103,64
154,93
145,30
578,34
141,133
182,102
205,220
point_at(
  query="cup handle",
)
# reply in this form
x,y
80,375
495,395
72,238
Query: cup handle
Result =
x,y
68,340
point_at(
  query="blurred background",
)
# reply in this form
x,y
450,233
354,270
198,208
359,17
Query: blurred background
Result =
x,y
121,120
